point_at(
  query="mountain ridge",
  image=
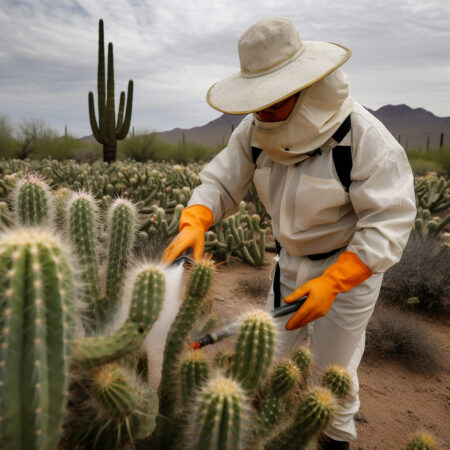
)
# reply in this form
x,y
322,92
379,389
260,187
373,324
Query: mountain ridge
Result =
x,y
413,125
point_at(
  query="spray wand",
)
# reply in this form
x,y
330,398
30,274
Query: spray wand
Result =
x,y
229,330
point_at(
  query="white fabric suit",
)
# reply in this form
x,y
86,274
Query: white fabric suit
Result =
x,y
313,214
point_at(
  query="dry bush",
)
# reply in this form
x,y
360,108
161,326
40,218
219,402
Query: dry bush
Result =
x,y
423,272
256,286
401,336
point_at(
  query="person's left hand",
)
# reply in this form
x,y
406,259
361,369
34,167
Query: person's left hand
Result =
x,y
347,272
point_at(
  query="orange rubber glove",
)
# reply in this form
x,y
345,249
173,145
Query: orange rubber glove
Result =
x,y
347,272
194,221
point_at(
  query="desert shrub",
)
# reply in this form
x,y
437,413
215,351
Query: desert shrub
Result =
x,y
423,274
146,146
257,286
401,336
432,161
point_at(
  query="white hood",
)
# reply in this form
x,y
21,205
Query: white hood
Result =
x,y
318,113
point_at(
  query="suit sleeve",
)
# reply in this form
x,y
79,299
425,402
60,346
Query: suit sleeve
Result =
x,y
382,195
225,180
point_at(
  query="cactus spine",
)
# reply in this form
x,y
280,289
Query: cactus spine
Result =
x,y
219,416
285,375
146,303
338,381
107,131
32,201
37,320
122,223
313,415
254,349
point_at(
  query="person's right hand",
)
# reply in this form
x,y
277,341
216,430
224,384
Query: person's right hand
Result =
x,y
194,221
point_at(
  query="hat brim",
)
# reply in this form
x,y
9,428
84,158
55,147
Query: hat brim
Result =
x,y
238,95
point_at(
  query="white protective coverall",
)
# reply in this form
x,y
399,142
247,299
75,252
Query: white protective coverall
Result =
x,y
312,213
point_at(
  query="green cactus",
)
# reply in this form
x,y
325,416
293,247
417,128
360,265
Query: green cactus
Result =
x,y
338,381
313,415
302,359
284,377
194,372
422,441
254,349
61,197
32,201
269,416
147,294
122,225
83,233
107,131
197,287
37,320
116,409
219,417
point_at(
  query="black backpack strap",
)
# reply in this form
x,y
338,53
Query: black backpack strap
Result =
x,y
276,280
342,155
255,153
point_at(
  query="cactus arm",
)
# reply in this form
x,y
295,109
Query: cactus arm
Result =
x,y
121,107
146,304
127,121
93,121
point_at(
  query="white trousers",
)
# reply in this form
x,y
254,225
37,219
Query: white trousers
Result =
x,y
337,338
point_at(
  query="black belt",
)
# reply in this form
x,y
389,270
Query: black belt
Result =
x,y
276,277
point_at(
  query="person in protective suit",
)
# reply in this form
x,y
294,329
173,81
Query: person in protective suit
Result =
x,y
337,185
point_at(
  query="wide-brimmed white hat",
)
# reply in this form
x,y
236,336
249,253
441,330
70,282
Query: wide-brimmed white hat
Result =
x,y
275,64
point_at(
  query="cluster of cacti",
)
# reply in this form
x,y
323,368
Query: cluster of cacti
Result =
x,y
426,225
106,130
433,193
239,235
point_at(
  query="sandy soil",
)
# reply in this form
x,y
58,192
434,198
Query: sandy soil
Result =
x,y
395,402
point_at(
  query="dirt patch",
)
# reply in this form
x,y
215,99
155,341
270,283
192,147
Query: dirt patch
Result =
x,y
395,402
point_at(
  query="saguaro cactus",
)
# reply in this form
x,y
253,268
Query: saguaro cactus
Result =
x,y
37,320
107,131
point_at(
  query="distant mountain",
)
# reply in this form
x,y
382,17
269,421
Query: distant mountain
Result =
x,y
412,125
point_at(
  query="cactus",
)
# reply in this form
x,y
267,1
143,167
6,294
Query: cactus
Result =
x,y
219,417
107,131
122,224
194,371
285,376
254,349
422,441
269,415
83,231
37,318
32,201
338,381
433,193
313,416
147,294
302,359
113,409
61,196
198,285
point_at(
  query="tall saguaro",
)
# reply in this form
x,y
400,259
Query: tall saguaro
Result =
x,y
107,131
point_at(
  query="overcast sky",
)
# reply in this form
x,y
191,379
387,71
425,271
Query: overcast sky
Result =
x,y
175,49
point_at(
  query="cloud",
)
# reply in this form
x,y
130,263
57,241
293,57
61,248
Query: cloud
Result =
x,y
174,50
